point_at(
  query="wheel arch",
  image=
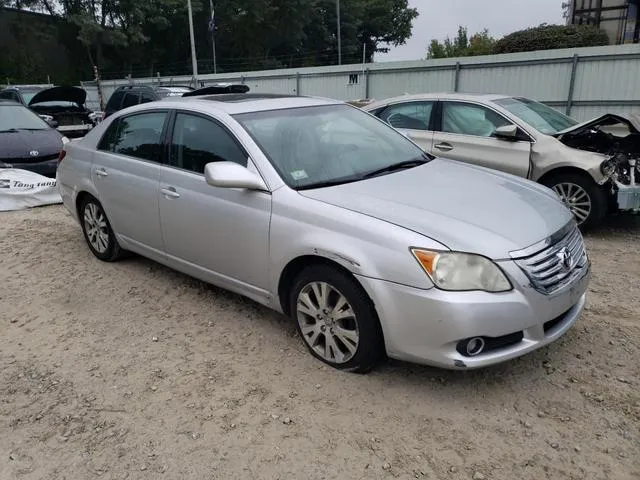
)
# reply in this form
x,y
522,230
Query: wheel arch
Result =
x,y
295,266
566,170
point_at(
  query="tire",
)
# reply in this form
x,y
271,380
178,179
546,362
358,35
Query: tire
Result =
x,y
343,341
582,189
97,231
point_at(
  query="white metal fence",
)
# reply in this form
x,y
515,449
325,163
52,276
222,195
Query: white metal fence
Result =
x,y
581,82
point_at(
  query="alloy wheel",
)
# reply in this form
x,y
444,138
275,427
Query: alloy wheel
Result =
x,y
576,198
327,322
96,228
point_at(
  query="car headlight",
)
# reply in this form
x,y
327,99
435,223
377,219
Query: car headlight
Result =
x,y
462,271
608,167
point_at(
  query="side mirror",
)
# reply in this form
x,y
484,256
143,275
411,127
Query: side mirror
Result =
x,y
507,132
232,175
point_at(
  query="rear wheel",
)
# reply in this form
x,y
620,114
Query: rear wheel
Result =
x,y
97,231
586,200
336,319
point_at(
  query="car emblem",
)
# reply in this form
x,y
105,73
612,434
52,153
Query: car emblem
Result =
x,y
5,183
564,257
34,153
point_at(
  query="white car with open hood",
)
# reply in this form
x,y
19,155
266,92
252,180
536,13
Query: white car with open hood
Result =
x,y
594,167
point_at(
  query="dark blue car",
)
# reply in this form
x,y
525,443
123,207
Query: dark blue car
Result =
x,y
26,141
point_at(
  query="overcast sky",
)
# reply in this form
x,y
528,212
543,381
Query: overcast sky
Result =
x,y
440,18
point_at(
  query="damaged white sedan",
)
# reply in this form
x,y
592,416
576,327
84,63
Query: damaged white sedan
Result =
x,y
594,167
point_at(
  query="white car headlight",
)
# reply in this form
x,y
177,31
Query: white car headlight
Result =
x,y
462,271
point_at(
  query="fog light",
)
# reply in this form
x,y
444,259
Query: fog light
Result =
x,y
474,346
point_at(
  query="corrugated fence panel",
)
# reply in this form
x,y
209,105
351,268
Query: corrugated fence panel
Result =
x,y
608,80
342,86
390,84
584,113
523,80
282,85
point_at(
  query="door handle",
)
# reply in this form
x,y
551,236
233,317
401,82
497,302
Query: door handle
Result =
x,y
445,147
101,172
170,192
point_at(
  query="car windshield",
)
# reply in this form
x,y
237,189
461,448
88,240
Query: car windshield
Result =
x,y
327,145
541,117
17,117
29,94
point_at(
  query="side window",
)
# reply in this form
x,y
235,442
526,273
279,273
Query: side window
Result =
x,y
470,119
130,99
412,116
115,100
198,141
109,137
6,95
137,136
146,97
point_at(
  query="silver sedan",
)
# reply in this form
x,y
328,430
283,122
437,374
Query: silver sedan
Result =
x,y
321,211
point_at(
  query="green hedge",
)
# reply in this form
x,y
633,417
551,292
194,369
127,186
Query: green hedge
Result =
x,y
548,37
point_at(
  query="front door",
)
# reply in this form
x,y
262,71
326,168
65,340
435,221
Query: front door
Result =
x,y
218,234
126,172
465,133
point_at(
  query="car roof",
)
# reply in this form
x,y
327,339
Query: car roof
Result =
x,y
235,103
488,97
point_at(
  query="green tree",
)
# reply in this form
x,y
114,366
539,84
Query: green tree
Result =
x,y
462,45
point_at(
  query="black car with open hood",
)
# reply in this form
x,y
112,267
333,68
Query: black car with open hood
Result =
x,y
62,107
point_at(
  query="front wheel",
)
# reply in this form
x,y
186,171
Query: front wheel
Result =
x,y
336,319
586,200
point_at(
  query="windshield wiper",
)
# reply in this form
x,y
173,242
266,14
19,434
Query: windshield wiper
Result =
x,y
9,130
330,183
415,162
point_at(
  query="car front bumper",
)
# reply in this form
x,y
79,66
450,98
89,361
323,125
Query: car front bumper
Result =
x,y
426,326
47,168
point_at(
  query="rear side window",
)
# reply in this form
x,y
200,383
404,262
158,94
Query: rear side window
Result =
x,y
138,136
146,97
130,99
114,101
411,116
198,141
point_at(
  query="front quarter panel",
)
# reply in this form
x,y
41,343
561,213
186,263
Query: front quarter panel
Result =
x,y
549,154
365,246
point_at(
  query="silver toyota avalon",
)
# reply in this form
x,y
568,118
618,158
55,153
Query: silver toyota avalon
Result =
x,y
323,212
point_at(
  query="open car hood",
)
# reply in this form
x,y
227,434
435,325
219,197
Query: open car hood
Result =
x,y
60,94
218,89
631,120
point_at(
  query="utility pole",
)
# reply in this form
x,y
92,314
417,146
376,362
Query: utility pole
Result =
x,y
212,29
194,59
339,35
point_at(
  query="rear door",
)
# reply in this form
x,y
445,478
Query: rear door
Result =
x,y
414,119
218,234
126,172
465,132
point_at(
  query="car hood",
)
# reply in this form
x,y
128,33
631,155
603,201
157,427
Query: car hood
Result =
x,y
60,94
467,208
629,119
20,144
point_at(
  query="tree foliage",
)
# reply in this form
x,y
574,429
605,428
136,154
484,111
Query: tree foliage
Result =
x,y
462,45
547,37
543,37
146,36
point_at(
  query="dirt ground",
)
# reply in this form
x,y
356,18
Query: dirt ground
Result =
x,y
132,371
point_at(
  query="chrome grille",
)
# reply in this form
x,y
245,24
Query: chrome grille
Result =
x,y
556,264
